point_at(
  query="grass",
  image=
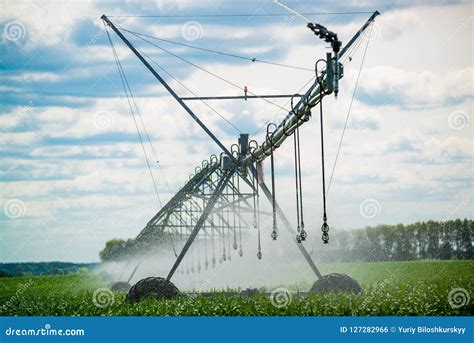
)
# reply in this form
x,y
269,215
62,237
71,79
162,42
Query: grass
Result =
x,y
390,288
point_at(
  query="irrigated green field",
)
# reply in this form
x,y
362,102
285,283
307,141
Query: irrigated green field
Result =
x,y
390,288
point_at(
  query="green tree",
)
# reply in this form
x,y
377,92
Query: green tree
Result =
x,y
112,249
4,273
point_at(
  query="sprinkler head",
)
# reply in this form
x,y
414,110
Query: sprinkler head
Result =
x,y
259,255
241,253
298,238
235,246
303,235
274,235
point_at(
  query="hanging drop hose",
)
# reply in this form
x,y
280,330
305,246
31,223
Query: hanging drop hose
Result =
x,y
234,221
322,92
241,252
256,203
254,198
206,261
274,234
259,253
303,233
213,245
325,226
298,228
235,150
274,231
199,255
224,257
228,229
221,240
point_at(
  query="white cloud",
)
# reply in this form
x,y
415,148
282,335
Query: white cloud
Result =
x,y
35,77
415,88
46,22
396,154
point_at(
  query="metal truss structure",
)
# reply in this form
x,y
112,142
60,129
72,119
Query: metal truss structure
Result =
x,y
224,191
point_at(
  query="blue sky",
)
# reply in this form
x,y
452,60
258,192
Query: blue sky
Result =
x,y
72,173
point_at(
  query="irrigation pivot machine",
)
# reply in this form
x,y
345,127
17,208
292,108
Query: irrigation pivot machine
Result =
x,y
224,191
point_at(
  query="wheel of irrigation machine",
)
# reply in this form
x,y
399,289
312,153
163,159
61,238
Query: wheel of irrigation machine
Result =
x,y
336,283
152,287
120,286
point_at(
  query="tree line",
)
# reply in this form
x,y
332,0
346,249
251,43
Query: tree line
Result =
x,y
432,240
43,268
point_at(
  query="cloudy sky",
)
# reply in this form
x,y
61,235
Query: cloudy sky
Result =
x,y
73,174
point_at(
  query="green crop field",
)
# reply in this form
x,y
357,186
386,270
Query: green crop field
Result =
x,y
425,288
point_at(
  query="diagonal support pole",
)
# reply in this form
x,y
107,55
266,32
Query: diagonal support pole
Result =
x,y
165,84
289,228
207,210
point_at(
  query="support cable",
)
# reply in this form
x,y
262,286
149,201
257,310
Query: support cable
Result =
x,y
237,15
349,111
188,89
126,86
207,71
251,59
348,57
352,52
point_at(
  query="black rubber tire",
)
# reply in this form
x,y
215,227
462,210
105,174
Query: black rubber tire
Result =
x,y
336,283
120,286
152,287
